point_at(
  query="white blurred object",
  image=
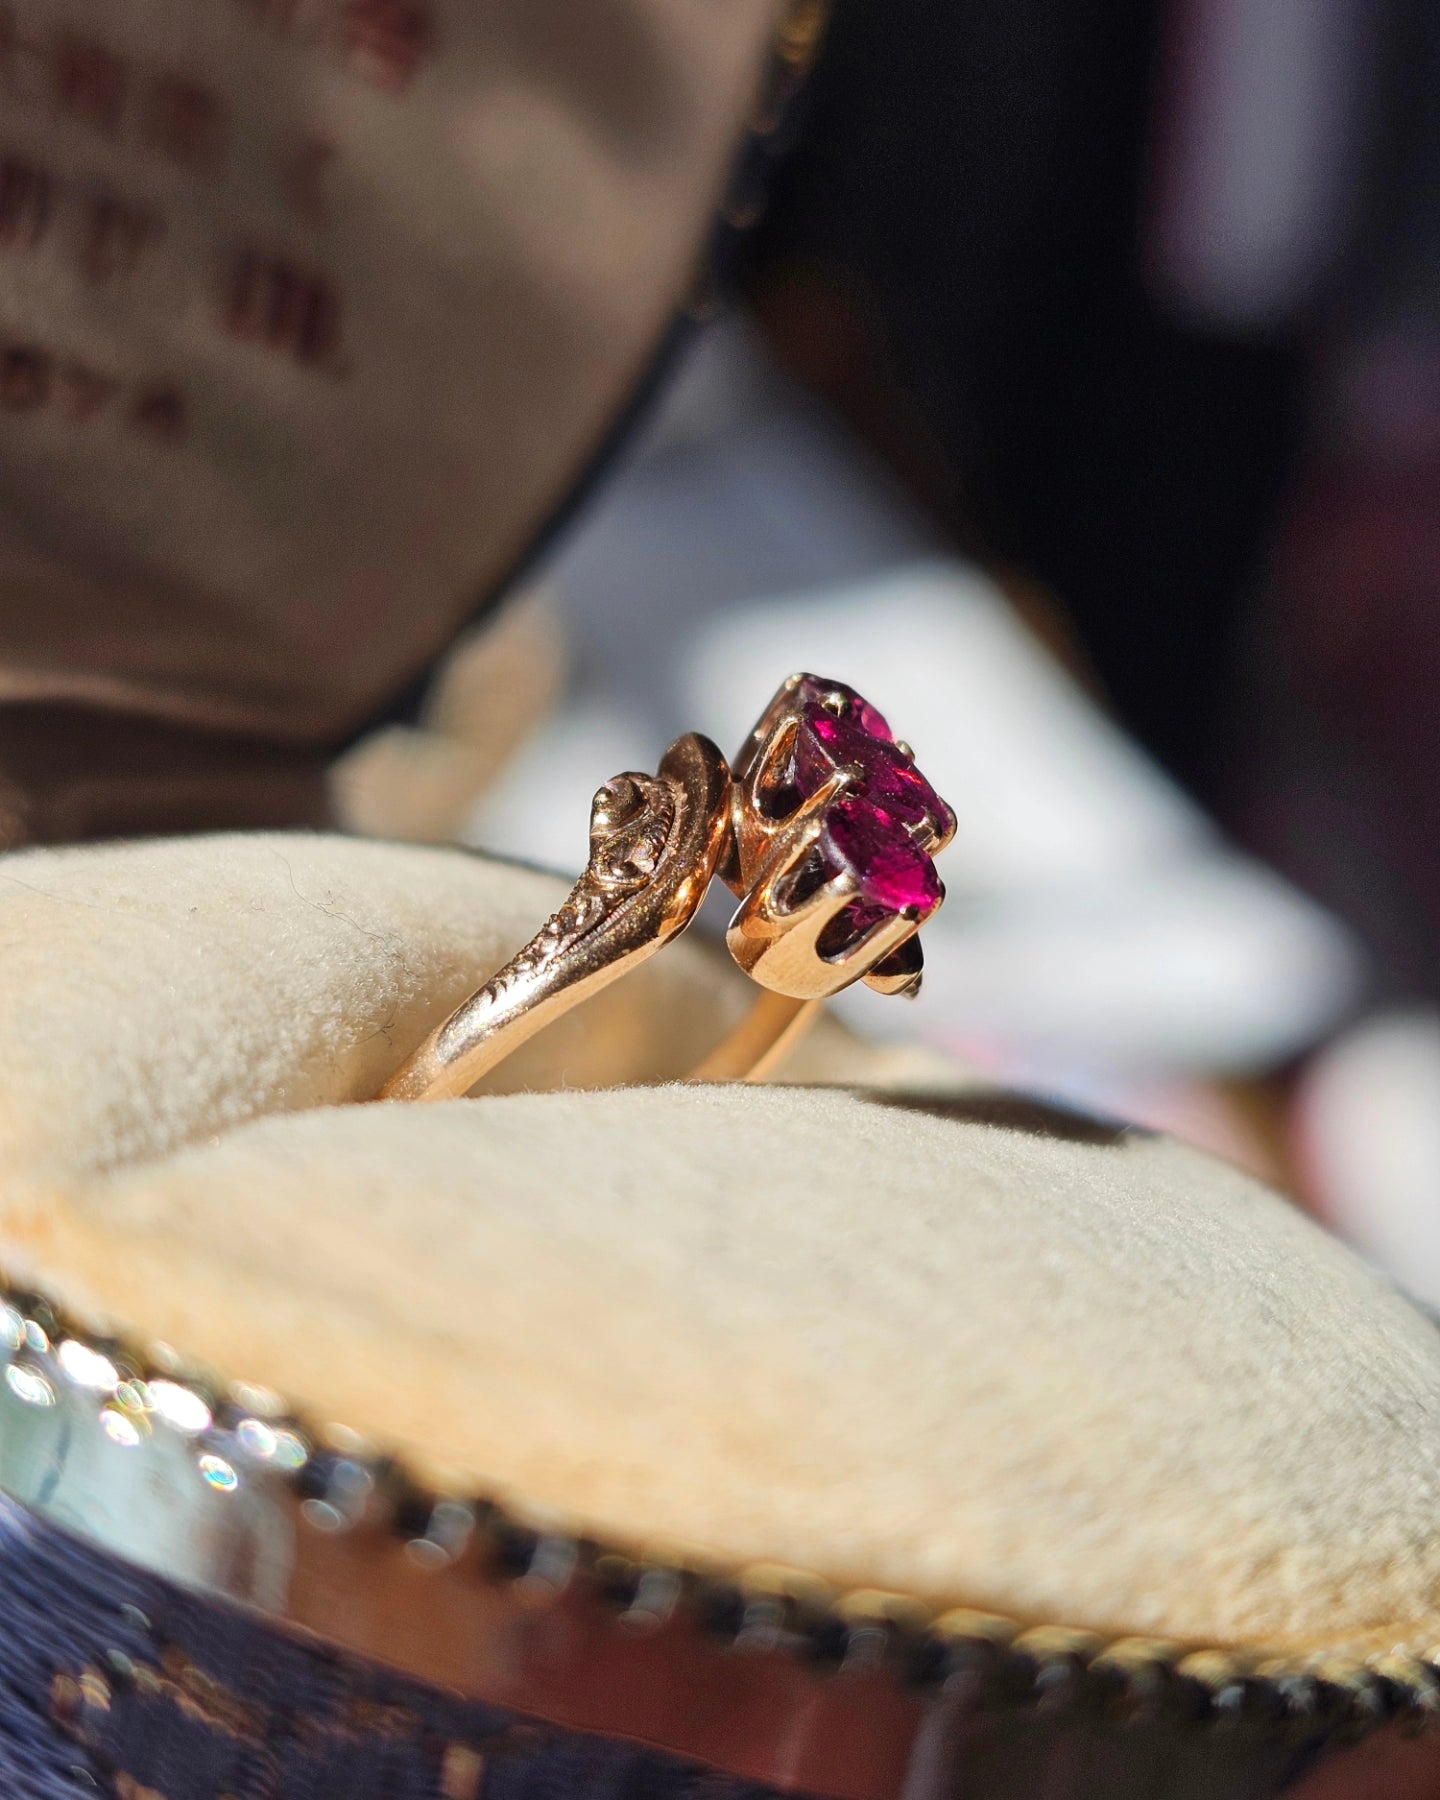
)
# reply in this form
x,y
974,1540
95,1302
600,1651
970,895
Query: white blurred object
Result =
x,y
540,812
1369,1135
1095,917
1092,909
1044,786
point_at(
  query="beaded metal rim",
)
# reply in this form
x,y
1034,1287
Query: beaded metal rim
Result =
x,y
231,1435
237,1437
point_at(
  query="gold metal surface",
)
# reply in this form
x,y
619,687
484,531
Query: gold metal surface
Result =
x,y
775,938
654,844
656,841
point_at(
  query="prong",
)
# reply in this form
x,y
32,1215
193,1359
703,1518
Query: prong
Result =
x,y
780,947
901,971
760,841
790,932
876,948
752,834
839,781
784,844
835,784
933,842
761,767
767,914
779,712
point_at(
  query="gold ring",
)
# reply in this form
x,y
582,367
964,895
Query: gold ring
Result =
x,y
826,830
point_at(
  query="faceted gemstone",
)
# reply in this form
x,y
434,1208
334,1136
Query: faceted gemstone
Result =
x,y
870,832
892,872
887,775
855,709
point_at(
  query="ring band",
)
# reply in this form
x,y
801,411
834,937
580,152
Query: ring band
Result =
x,y
826,830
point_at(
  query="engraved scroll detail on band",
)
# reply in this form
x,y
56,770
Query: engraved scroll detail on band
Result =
x,y
632,819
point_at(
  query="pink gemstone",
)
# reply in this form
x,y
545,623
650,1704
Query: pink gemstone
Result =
x,y
887,775
892,872
812,690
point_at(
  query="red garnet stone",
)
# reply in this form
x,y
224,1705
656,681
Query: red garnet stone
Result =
x,y
880,829
814,690
893,873
828,740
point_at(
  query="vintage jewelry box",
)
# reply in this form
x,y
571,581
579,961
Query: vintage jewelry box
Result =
x,y
866,1435
862,1435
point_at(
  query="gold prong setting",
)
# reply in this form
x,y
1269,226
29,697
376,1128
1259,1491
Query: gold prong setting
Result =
x,y
834,834
826,829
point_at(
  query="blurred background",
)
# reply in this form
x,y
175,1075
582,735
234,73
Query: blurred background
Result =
x,y
1081,406
1065,374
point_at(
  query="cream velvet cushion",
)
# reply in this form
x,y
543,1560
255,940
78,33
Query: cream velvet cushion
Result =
x,y
1086,1376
